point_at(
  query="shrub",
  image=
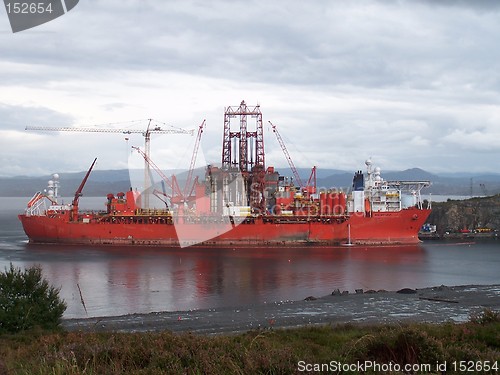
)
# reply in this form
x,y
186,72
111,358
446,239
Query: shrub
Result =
x,y
485,317
27,300
402,345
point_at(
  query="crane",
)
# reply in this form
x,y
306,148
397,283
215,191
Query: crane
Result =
x,y
193,161
186,192
78,193
310,189
287,155
176,191
157,129
146,133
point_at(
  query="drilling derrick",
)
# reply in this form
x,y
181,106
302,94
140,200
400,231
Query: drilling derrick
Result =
x,y
239,153
243,157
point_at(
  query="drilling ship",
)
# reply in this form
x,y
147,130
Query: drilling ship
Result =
x,y
238,203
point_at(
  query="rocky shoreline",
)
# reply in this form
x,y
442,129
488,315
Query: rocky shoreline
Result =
x,y
467,218
436,305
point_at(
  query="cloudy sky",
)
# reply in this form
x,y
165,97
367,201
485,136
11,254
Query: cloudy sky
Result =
x,y
407,83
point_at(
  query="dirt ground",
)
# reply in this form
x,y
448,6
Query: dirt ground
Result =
x,y
437,304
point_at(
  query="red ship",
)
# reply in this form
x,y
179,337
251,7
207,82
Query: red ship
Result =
x,y
239,203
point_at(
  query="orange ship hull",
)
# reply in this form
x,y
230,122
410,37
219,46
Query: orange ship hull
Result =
x,y
378,228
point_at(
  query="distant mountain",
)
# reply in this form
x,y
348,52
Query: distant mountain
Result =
x,y
99,183
102,182
441,185
410,174
343,179
306,172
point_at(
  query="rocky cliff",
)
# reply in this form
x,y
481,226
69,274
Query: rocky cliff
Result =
x,y
470,214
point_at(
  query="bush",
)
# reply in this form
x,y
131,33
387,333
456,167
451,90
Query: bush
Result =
x,y
27,300
402,345
485,317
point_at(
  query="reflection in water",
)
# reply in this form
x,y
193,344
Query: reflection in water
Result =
x,y
131,280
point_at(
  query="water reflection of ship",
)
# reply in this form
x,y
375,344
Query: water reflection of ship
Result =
x,y
124,281
389,267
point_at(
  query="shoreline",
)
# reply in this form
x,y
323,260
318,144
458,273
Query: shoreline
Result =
x,y
434,305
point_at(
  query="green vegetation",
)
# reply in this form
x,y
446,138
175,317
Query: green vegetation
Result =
x,y
256,352
27,300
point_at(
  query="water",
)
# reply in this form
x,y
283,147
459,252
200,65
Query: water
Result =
x,y
121,280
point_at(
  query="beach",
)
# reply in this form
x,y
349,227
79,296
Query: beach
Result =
x,y
434,305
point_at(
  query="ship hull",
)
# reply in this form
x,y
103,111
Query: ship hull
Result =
x,y
380,228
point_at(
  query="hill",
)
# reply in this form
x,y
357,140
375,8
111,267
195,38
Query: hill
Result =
x,y
102,182
99,183
455,215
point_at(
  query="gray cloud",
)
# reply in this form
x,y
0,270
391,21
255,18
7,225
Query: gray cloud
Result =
x,y
411,82
479,5
368,44
16,117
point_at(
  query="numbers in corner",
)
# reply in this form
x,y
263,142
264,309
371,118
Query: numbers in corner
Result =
x,y
28,8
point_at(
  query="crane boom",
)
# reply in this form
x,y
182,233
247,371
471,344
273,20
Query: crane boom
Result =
x,y
287,155
156,129
78,192
193,160
175,188
146,133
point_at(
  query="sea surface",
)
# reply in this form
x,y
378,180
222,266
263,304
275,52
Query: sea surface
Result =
x,y
104,281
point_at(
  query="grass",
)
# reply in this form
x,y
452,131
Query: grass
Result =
x,y
255,352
